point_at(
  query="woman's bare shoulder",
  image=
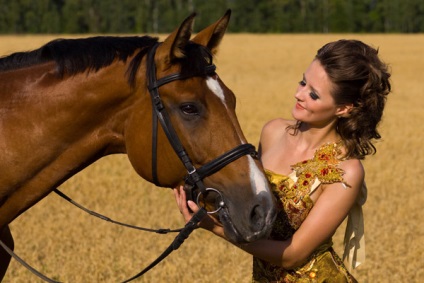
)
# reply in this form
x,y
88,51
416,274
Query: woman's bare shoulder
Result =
x,y
352,166
273,133
354,172
277,124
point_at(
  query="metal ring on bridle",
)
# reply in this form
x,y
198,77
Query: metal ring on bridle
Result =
x,y
221,203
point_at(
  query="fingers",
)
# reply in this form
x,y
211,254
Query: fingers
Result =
x,y
187,208
177,197
193,206
183,205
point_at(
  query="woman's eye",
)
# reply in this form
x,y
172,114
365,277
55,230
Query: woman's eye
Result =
x,y
313,95
189,109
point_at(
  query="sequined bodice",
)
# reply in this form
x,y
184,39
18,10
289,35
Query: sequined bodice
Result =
x,y
293,191
294,203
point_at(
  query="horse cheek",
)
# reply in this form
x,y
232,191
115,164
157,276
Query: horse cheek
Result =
x,y
138,145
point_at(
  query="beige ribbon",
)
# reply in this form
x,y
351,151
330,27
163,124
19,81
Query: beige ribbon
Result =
x,y
354,240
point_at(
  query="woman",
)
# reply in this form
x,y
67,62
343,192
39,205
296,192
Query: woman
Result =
x,y
313,164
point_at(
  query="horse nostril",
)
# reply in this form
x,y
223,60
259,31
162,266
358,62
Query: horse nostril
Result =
x,y
257,218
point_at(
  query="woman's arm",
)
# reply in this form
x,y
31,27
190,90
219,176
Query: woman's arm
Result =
x,y
330,209
328,212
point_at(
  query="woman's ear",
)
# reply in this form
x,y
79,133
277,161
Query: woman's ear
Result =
x,y
343,111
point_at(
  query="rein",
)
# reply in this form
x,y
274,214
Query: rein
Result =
x,y
193,179
105,218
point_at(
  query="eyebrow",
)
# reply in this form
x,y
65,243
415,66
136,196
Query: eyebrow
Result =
x,y
313,89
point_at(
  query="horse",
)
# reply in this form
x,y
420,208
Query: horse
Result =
x,y
72,101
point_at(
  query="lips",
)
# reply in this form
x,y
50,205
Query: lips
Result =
x,y
298,106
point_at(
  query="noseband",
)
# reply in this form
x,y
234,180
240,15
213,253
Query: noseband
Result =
x,y
195,176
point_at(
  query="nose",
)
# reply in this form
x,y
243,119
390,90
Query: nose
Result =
x,y
298,95
262,215
257,219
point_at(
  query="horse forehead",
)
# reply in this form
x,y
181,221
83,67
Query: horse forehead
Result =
x,y
216,88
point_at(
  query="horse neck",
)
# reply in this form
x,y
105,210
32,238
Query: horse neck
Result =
x,y
54,127
67,122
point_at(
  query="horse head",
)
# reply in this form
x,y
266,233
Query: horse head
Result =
x,y
201,111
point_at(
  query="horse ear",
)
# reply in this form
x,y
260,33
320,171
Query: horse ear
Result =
x,y
177,40
212,35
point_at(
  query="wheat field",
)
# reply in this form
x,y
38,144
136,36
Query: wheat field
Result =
x,y
263,70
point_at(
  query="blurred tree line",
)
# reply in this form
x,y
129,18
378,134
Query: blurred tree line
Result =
x,y
162,16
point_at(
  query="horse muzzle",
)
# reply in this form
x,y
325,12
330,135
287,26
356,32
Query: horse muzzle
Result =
x,y
255,224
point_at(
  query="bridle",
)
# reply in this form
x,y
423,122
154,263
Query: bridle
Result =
x,y
195,176
193,179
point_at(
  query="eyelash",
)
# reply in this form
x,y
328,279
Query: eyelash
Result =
x,y
312,94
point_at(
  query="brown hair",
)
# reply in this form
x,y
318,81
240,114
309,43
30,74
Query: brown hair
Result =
x,y
362,79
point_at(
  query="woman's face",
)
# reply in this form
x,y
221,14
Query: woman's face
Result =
x,y
315,104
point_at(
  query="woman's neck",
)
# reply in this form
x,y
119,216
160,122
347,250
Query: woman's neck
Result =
x,y
311,138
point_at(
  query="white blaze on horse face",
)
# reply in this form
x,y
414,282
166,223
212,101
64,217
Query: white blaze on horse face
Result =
x,y
214,86
257,177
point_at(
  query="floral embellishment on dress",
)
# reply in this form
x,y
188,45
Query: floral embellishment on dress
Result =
x,y
293,195
324,166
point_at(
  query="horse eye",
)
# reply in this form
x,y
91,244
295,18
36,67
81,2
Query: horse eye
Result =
x,y
189,109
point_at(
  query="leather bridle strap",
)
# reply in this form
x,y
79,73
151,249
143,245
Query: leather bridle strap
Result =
x,y
108,219
195,176
225,159
179,239
159,113
219,163
29,267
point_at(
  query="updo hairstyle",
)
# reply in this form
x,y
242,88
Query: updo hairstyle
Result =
x,y
362,80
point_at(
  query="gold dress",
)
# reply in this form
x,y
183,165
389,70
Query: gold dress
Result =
x,y
294,204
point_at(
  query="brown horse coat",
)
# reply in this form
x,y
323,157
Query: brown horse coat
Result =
x,y
69,103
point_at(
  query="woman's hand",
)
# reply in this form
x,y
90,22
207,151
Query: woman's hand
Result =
x,y
209,223
183,205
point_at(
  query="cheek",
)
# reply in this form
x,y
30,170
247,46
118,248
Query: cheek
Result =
x,y
316,107
323,112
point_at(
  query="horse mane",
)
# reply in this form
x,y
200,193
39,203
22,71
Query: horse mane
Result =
x,y
73,56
